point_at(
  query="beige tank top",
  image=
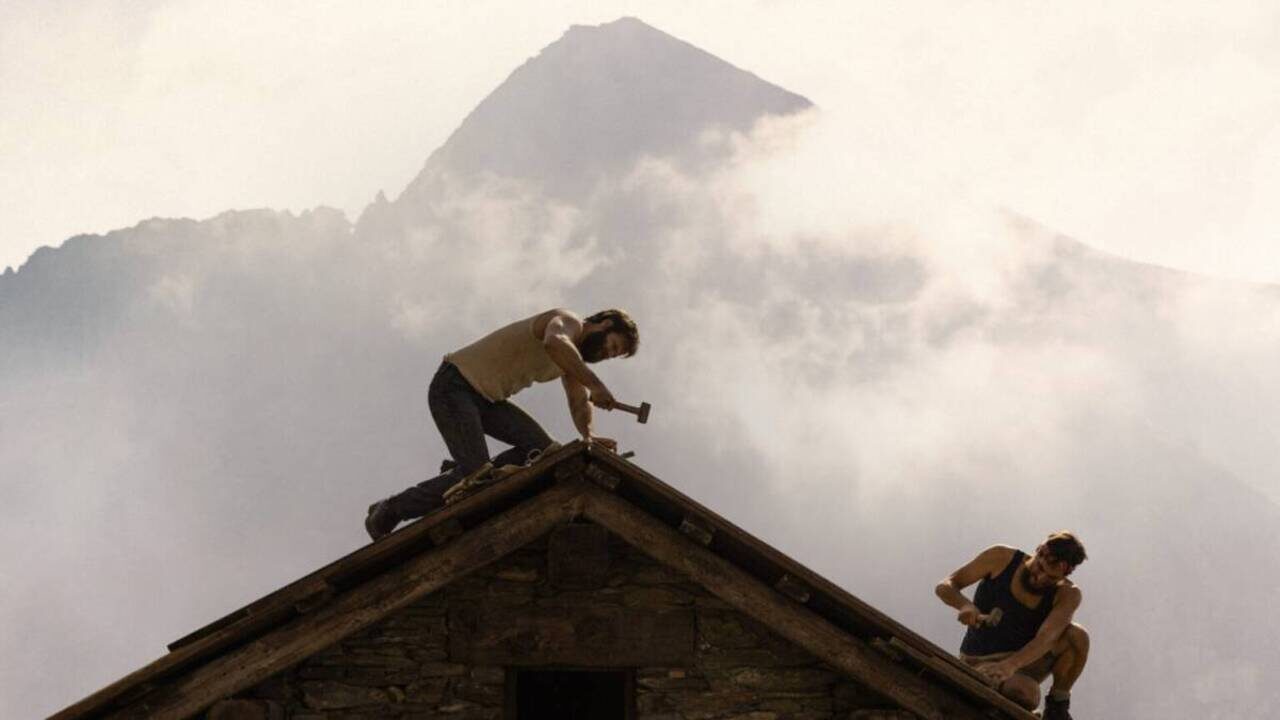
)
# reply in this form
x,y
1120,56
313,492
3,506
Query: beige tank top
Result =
x,y
505,361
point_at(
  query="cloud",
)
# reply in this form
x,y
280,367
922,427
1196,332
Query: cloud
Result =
x,y
174,293
847,350
1093,120
1011,382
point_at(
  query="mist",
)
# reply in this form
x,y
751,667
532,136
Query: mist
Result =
x,y
862,361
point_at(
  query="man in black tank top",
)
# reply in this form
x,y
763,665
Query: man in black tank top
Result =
x,y
1019,628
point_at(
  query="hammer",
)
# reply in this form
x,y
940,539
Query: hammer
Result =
x,y
641,413
991,619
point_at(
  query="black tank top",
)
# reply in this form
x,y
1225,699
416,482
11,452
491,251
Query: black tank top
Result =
x,y
1017,625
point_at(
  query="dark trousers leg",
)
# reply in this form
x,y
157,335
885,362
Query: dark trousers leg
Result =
x,y
508,423
464,417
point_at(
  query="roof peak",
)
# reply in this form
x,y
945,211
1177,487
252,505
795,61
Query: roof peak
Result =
x,y
578,482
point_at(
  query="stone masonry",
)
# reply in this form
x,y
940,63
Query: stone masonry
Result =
x,y
563,602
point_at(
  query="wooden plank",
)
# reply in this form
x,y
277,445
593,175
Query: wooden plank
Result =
x,y
971,679
294,593
357,609
572,635
886,626
697,529
789,620
443,532
140,681
603,477
571,469
413,534
322,595
270,609
793,589
907,650
885,647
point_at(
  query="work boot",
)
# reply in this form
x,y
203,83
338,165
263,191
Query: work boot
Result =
x,y
502,472
1056,709
469,484
536,455
381,520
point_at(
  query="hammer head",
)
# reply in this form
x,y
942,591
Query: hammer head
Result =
x,y
643,415
992,618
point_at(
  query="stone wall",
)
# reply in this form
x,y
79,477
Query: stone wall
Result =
x,y
567,602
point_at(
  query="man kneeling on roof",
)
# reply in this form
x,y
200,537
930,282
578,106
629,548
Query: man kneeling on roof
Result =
x,y
1019,622
468,399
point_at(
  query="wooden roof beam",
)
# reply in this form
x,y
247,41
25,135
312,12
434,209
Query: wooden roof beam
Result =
x,y
777,611
697,529
352,611
793,589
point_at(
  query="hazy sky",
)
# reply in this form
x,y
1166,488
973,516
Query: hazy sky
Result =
x,y
1148,129
848,349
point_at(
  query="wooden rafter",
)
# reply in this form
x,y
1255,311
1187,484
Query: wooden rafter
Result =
x,y
243,667
286,626
788,619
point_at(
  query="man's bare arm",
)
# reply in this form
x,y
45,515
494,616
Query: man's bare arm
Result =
x,y
988,563
559,339
579,405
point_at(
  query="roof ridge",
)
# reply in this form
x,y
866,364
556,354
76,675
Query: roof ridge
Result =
x,y
579,479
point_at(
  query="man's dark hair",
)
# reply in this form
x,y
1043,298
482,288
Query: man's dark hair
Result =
x,y
620,322
1065,547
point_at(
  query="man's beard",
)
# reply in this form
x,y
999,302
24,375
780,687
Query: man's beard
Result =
x,y
591,346
1030,586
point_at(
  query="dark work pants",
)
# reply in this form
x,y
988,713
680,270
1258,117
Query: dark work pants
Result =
x,y
464,417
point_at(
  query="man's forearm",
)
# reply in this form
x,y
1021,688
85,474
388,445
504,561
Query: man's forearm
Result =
x,y
948,594
582,416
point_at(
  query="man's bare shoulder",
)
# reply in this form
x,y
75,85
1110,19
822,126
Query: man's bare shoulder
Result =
x,y
561,312
568,319
999,552
994,559
985,564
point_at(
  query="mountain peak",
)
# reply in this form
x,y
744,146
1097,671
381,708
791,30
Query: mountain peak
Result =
x,y
597,99
626,23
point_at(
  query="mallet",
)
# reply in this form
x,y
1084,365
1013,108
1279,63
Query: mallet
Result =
x,y
991,619
641,413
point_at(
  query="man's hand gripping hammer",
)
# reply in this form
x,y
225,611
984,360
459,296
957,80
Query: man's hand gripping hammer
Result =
x,y
641,413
